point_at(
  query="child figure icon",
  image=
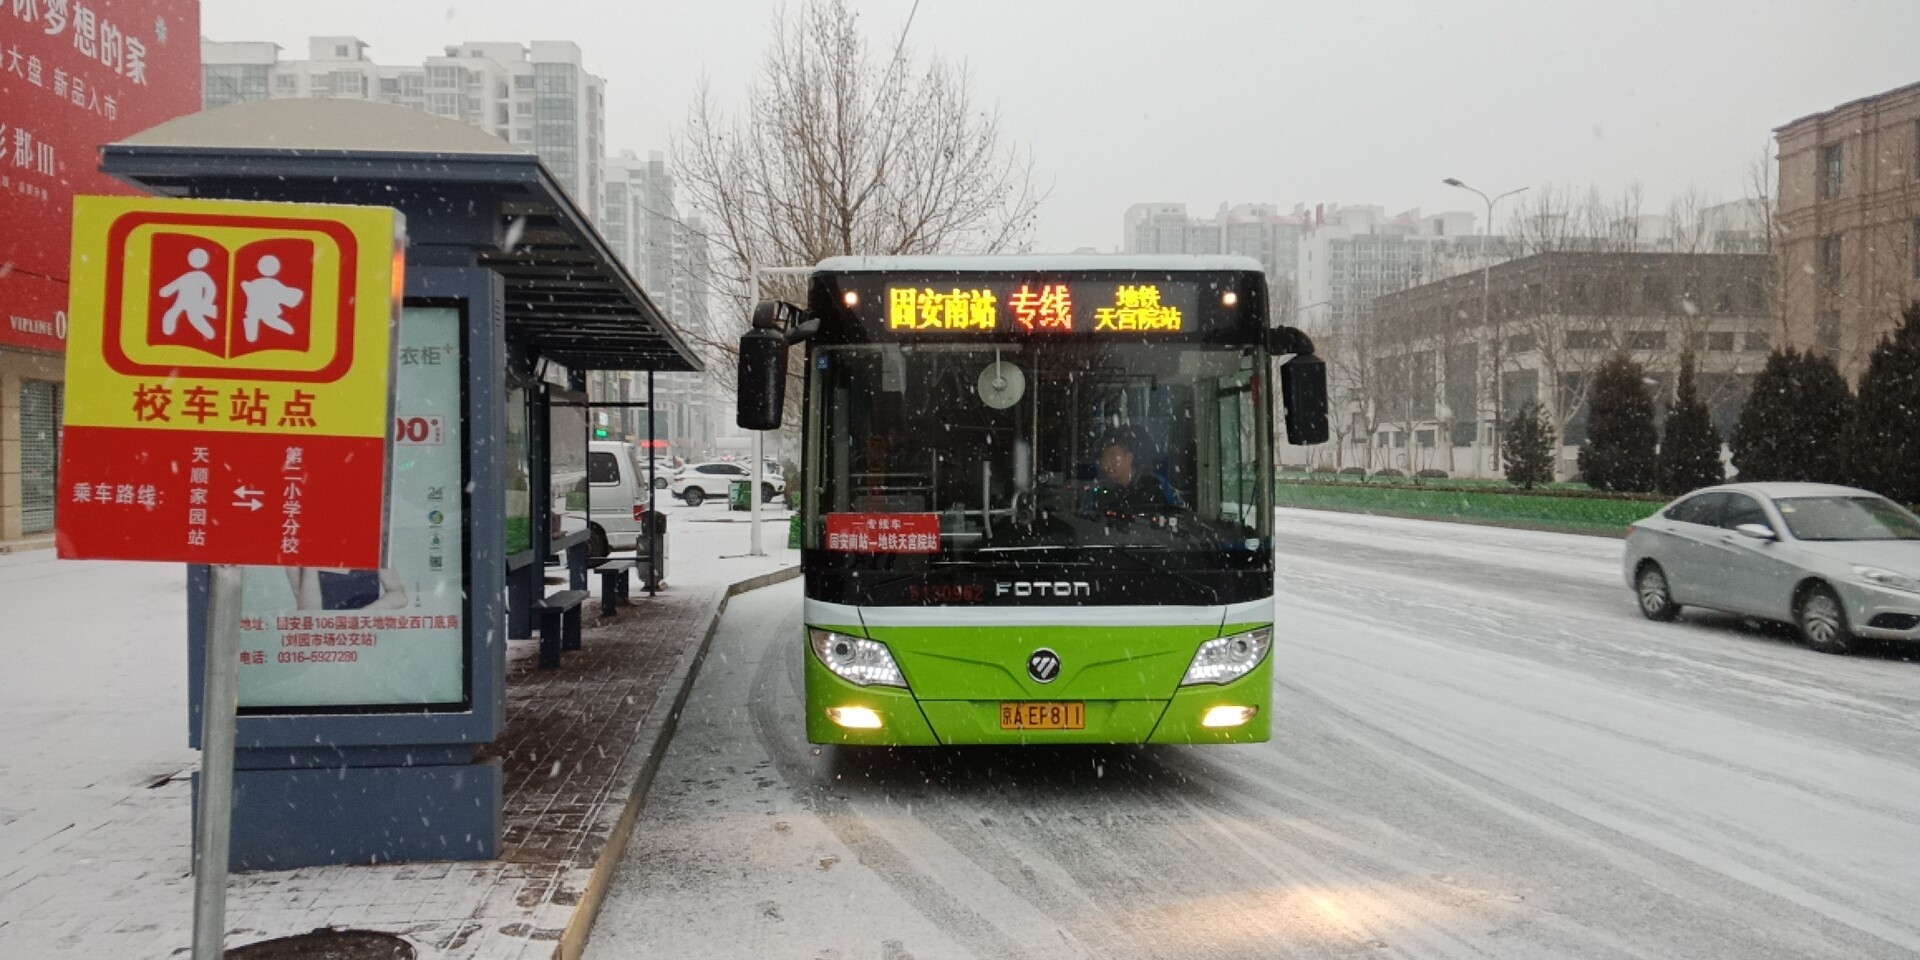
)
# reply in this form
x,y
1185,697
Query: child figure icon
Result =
x,y
266,297
195,297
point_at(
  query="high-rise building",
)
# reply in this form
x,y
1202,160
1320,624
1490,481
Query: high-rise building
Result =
x,y
1849,216
1257,230
1350,255
668,254
536,95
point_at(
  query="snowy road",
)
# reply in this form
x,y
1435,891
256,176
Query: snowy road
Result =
x,y
1480,751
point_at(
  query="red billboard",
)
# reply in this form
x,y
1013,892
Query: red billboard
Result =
x,y
75,74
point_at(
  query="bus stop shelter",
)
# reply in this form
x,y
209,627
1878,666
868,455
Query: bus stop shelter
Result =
x,y
368,698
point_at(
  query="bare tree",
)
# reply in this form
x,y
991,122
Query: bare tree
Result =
x,y
838,151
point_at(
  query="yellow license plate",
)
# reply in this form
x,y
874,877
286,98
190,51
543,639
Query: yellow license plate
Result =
x,y
1038,715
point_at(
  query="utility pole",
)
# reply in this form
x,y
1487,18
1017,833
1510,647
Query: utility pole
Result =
x,y
1499,333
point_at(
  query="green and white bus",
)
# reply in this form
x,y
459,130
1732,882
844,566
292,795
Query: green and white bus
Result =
x,y
1037,501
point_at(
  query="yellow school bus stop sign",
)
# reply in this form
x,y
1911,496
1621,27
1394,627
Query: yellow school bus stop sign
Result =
x,y
229,370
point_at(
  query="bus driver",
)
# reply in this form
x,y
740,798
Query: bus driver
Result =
x,y
1125,485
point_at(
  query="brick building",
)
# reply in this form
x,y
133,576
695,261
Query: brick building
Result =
x,y
1849,217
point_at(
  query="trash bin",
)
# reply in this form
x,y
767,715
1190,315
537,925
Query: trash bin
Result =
x,y
793,532
651,549
739,495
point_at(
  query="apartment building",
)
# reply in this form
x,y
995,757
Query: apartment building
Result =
x,y
1849,218
538,95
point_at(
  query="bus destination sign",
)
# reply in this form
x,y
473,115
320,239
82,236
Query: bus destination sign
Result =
x,y
1040,308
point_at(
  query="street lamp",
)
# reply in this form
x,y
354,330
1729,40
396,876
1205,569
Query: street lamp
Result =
x,y
1499,338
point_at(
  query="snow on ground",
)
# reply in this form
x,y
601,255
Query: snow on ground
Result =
x,y
95,804
1480,750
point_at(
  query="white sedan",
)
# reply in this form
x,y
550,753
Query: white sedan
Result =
x,y
1840,564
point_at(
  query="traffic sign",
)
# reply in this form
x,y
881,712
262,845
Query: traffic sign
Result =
x,y
229,371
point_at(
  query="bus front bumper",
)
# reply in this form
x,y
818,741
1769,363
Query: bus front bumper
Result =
x,y
839,712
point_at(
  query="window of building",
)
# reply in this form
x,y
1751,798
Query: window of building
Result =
x,y
1723,302
389,86
1647,340
1577,293
1520,344
1829,333
1832,171
1757,343
1830,260
1656,292
340,50
286,85
1588,340
1722,342
1424,438
1517,389
1916,249
1573,396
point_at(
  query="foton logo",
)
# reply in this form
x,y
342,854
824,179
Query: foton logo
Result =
x,y
1043,588
240,297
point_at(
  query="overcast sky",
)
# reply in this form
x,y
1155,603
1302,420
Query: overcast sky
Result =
x,y
1283,102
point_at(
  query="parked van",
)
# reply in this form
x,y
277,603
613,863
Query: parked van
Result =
x,y
617,494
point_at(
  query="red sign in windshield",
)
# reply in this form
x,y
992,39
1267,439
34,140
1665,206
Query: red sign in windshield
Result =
x,y
884,532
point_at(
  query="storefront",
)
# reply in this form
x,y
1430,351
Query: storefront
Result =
x,y
72,82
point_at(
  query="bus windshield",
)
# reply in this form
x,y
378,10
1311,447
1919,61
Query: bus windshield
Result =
x,y
1034,449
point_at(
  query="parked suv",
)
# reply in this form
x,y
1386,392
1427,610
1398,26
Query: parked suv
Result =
x,y
698,482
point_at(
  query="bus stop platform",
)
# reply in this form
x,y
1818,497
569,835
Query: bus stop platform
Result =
x,y
97,848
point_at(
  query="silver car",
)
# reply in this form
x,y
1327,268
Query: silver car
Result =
x,y
1838,563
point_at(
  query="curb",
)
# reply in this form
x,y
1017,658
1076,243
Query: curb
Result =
x,y
22,546
1468,521
643,761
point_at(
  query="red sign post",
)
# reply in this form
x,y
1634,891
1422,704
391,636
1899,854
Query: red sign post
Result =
x,y
229,401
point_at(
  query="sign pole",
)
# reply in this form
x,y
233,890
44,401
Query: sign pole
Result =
x,y
757,470
218,700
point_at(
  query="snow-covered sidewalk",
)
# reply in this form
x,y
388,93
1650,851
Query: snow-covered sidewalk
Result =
x,y
95,827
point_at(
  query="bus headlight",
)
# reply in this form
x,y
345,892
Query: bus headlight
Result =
x,y
856,659
1229,658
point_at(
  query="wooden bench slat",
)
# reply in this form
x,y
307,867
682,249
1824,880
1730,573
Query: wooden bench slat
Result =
x,y
564,600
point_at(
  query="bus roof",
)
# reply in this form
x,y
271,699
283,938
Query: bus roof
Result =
x,y
1039,263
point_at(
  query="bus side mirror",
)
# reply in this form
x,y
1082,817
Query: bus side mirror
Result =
x,y
1303,388
762,379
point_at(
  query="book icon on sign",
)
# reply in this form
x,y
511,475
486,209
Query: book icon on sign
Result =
x,y
230,303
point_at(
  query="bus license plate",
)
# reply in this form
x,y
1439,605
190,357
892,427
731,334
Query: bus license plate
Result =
x,y
1034,715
